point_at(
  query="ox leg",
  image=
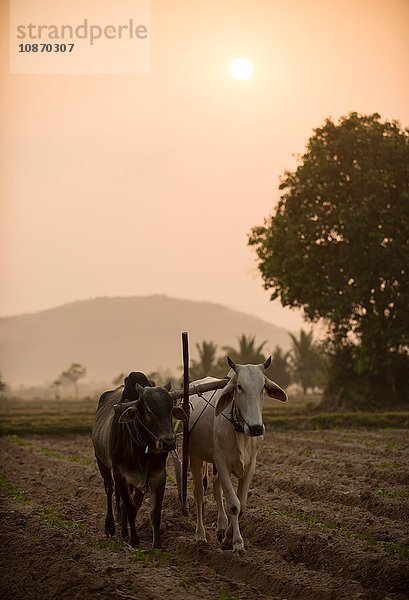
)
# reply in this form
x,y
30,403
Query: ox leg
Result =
x,y
124,520
244,484
196,467
232,536
205,479
121,512
130,507
109,488
222,520
177,465
137,497
157,489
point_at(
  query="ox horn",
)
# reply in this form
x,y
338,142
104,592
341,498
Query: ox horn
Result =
x,y
266,363
232,364
176,395
120,407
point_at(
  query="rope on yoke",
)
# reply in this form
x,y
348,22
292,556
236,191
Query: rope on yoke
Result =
x,y
234,421
204,408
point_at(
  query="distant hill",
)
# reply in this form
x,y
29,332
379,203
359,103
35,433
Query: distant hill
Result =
x,y
111,335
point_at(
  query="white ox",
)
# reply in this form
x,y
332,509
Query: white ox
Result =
x,y
228,432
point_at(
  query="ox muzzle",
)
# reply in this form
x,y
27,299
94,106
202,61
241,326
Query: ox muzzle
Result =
x,y
254,430
166,443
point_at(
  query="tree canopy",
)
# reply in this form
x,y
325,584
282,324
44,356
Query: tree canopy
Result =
x,y
337,245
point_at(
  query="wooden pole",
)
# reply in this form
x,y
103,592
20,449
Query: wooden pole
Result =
x,y
186,408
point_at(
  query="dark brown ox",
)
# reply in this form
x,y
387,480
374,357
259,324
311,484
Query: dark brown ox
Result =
x,y
132,436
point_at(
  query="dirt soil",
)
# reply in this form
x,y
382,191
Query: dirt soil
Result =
x,y
328,518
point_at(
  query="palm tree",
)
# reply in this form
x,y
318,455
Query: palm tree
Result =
x,y
247,352
2,385
280,368
306,360
206,365
56,385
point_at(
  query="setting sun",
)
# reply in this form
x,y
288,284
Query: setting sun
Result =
x,y
241,68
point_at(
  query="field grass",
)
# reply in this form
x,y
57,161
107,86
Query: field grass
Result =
x,y
15,439
366,420
25,417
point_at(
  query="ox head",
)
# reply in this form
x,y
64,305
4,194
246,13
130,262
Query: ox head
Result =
x,y
246,388
150,417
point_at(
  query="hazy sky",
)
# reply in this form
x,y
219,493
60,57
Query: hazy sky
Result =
x,y
135,185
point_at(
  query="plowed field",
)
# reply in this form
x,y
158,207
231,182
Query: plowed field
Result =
x,y
328,518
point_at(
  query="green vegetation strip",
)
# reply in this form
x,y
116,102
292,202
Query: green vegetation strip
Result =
x,y
15,439
12,490
392,548
57,426
66,425
398,420
395,494
50,518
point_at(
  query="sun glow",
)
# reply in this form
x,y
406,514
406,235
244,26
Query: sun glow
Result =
x,y
241,69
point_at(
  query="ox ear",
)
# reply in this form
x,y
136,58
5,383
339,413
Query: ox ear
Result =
x,y
226,396
179,414
274,391
168,386
129,414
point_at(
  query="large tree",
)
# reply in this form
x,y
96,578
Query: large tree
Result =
x,y
337,246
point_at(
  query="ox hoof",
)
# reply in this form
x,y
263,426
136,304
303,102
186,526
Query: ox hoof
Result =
x,y
201,539
239,549
220,535
226,544
109,529
135,541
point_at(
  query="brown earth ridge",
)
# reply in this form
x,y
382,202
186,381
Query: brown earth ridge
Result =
x,y
328,519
